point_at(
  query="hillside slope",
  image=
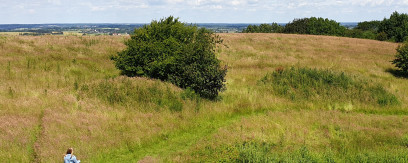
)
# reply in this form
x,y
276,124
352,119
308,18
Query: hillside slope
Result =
x,y
58,92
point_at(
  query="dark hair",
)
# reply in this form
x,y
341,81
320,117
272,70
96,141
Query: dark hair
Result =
x,y
69,151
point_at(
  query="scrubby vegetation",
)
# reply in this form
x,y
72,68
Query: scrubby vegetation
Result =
x,y
401,58
325,86
135,93
173,51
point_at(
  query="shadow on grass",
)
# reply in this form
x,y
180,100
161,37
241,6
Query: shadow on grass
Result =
x,y
397,73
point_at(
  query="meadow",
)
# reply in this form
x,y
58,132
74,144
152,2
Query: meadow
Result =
x,y
14,33
58,92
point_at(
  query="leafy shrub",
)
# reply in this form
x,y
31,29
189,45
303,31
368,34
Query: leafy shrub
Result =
x,y
369,25
354,33
358,33
369,35
401,58
326,86
173,51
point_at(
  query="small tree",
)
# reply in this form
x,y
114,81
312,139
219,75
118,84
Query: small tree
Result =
x,y
173,51
401,59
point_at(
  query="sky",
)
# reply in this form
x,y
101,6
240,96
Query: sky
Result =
x,y
194,11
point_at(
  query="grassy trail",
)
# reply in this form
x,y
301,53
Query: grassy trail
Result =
x,y
175,142
37,137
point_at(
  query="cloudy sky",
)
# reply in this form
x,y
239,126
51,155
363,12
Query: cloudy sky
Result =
x,y
194,11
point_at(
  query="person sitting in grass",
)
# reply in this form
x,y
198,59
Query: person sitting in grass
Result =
x,y
69,157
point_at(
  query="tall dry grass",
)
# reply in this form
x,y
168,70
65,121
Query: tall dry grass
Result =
x,y
58,92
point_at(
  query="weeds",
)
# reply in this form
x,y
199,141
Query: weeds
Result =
x,y
404,140
304,84
137,93
10,92
260,152
89,42
9,69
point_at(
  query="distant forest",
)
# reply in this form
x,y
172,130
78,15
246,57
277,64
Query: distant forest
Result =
x,y
393,29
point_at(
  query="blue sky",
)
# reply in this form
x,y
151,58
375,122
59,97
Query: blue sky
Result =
x,y
194,11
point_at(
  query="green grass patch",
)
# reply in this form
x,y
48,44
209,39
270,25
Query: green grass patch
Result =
x,y
138,93
172,143
255,151
299,84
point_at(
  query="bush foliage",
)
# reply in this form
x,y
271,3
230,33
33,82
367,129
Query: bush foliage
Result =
x,y
401,59
173,51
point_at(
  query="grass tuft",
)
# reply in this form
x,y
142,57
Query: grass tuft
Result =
x,y
138,93
304,84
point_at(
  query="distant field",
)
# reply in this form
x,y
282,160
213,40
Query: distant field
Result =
x,y
64,91
14,33
68,33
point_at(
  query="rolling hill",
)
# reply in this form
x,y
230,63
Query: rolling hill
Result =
x,y
58,92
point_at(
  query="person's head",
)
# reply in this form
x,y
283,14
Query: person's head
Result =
x,y
70,151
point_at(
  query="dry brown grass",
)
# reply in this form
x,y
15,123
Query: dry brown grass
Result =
x,y
249,56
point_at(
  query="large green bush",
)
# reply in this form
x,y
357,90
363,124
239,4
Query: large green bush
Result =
x,y
173,51
401,59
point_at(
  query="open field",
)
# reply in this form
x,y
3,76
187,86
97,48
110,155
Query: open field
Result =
x,y
58,92
74,33
14,33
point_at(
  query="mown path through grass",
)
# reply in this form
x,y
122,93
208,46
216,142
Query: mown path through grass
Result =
x,y
37,132
174,142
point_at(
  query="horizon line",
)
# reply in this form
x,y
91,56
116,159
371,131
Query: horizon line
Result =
x,y
144,23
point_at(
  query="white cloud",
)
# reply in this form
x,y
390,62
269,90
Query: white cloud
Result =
x,y
405,2
31,11
200,10
54,2
97,8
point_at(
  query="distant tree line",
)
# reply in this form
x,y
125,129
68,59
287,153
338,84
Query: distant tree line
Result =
x,y
315,26
264,28
393,29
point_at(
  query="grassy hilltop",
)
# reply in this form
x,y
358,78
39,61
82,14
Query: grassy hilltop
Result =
x,y
58,92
